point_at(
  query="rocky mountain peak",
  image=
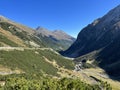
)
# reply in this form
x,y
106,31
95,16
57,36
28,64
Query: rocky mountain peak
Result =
x,y
57,34
43,31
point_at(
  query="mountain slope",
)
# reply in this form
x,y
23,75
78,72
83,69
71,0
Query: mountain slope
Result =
x,y
103,37
20,26
23,36
33,60
25,58
56,39
17,34
22,49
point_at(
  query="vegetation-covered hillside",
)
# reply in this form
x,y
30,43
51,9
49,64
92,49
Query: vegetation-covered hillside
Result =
x,y
28,62
34,61
23,36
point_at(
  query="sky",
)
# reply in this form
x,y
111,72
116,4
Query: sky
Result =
x,y
67,15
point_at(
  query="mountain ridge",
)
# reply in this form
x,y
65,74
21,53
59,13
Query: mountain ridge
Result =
x,y
58,34
57,39
29,37
101,36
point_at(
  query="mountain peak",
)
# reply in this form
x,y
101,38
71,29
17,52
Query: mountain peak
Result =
x,y
40,28
43,31
57,34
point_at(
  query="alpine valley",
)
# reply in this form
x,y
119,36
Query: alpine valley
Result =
x,y
41,59
100,42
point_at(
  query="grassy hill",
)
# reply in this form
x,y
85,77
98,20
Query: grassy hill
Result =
x,y
24,36
18,36
33,61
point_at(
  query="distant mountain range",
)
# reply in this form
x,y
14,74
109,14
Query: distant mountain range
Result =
x,y
57,34
57,39
14,34
100,41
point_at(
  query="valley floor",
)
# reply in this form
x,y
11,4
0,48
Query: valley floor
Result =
x,y
98,74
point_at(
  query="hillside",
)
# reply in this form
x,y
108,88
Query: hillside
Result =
x,y
100,42
17,35
27,67
30,60
14,34
22,49
57,39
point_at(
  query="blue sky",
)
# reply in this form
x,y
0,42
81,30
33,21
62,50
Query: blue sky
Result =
x,y
67,15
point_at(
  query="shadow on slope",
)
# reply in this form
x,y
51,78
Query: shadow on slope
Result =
x,y
109,59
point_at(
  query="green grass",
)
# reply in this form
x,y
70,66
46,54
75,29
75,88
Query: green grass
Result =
x,y
27,61
15,31
54,43
1,45
31,62
38,41
60,61
21,34
7,41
